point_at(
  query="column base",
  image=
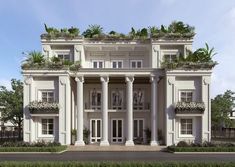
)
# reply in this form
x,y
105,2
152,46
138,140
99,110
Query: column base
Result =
x,y
154,143
79,143
104,143
129,143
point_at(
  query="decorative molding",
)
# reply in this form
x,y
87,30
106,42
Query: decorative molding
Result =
x,y
62,81
129,78
79,79
206,80
104,78
154,78
171,81
28,80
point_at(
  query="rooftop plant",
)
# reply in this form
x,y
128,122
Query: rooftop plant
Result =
x,y
189,107
199,59
176,30
43,107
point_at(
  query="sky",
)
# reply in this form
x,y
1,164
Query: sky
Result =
x,y
22,22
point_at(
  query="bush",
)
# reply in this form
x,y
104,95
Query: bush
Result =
x,y
33,149
40,143
182,144
201,149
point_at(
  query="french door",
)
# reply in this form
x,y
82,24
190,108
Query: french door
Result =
x,y
117,130
95,130
138,128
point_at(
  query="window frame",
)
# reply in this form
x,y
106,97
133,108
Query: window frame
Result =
x,y
138,126
193,128
40,127
187,91
40,92
64,52
136,62
116,61
98,61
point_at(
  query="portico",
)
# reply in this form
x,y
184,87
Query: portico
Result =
x,y
118,107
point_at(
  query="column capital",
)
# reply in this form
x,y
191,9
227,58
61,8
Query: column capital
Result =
x,y
79,79
129,78
104,78
28,80
154,78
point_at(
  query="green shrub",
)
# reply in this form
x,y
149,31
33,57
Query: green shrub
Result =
x,y
182,144
201,149
33,149
40,143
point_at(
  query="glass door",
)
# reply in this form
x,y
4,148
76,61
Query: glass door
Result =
x,y
117,131
95,128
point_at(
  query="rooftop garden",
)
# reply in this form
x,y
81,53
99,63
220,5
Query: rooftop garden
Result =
x,y
176,30
36,60
199,59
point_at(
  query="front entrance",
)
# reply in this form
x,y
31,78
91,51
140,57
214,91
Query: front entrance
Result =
x,y
96,130
117,130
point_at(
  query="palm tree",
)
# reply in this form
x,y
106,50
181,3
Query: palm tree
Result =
x,y
205,54
93,30
35,57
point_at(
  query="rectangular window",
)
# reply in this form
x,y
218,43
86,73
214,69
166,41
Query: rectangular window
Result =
x,y
170,57
186,127
186,96
47,126
47,96
98,64
95,99
136,64
117,64
64,56
138,129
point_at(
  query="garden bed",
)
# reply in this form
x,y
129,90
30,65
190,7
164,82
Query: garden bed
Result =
x,y
33,149
200,149
117,164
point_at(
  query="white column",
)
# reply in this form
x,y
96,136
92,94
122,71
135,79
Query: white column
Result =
x,y
154,135
80,81
129,95
104,108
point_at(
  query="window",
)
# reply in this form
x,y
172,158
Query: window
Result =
x,y
138,128
117,64
186,127
169,57
117,99
138,99
48,96
98,64
95,97
186,96
136,64
64,56
47,126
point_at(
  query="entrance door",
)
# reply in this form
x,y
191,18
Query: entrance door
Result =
x,y
117,131
95,128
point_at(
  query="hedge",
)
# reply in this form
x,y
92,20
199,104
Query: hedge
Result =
x,y
33,149
116,164
201,149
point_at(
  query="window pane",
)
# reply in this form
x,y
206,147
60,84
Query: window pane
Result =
x,y
135,128
93,128
141,129
133,64
114,128
100,64
95,64
114,65
119,128
119,64
139,64
60,56
98,128
98,99
66,57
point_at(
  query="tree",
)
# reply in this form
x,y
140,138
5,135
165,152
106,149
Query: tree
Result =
x,y
221,106
12,104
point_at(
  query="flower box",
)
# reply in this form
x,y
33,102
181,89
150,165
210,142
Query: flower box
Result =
x,y
189,107
38,107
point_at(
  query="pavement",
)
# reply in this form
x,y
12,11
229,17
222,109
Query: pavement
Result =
x,y
118,156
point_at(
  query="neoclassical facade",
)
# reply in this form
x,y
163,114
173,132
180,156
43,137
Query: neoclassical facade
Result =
x,y
120,94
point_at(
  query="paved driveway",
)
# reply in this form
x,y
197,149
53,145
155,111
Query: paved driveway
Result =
x,y
117,156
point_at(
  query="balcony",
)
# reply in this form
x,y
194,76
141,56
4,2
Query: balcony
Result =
x,y
189,107
144,107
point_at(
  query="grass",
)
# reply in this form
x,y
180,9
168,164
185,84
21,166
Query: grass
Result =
x,y
117,164
33,149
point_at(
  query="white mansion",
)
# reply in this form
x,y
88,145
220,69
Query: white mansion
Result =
x,y
120,94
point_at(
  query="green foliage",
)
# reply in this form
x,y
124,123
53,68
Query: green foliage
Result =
x,y
86,134
180,27
201,149
221,106
33,149
12,104
199,59
40,143
93,31
115,164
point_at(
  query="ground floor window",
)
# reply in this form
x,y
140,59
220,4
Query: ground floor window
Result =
x,y
186,127
47,126
96,130
138,128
